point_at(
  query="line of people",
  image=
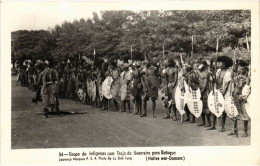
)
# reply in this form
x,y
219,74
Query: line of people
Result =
x,y
144,80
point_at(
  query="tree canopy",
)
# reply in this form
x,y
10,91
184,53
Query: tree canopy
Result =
x,y
112,33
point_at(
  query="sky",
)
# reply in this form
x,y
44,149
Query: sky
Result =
x,y
36,16
31,15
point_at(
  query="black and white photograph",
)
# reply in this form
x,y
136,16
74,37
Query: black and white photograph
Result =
x,y
131,78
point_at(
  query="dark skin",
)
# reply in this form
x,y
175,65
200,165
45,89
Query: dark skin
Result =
x,y
115,73
125,102
219,80
214,118
105,74
223,90
241,72
204,86
138,100
171,75
149,72
189,80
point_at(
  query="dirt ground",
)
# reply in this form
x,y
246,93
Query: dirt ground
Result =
x,y
105,128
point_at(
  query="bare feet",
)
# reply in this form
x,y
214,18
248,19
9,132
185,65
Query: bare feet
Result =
x,y
187,120
222,129
212,128
143,115
231,133
200,124
174,118
245,134
208,125
167,117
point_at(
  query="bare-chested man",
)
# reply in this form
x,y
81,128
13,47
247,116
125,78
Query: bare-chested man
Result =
x,y
192,79
171,75
115,75
127,77
242,78
137,88
223,82
151,84
204,83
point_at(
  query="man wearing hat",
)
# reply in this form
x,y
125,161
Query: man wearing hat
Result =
x,y
49,78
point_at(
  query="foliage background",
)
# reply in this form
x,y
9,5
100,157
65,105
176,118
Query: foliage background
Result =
x,y
112,33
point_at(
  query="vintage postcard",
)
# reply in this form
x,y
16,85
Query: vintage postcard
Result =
x,y
120,83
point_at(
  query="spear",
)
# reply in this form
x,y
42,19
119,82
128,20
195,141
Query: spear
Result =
x,y
181,59
215,69
217,45
94,54
131,53
234,57
166,78
192,46
132,80
145,58
215,72
247,44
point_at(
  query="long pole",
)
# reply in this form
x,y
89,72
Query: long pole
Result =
x,y
247,44
215,69
163,54
181,59
192,46
131,53
215,72
94,54
132,78
234,57
166,77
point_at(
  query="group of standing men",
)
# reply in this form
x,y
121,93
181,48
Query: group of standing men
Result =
x,y
144,80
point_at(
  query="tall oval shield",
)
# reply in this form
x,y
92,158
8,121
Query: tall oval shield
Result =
x,y
180,99
106,87
248,105
119,89
230,107
162,95
194,103
94,90
216,102
246,92
80,94
89,88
